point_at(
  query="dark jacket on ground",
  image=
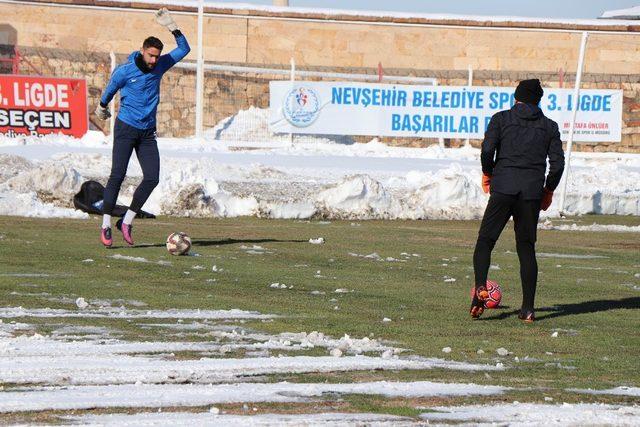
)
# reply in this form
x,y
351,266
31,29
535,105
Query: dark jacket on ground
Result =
x,y
90,200
515,149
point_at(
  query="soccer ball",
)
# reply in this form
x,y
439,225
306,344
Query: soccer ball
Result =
x,y
495,294
178,243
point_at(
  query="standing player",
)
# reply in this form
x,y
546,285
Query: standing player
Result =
x,y
514,156
135,129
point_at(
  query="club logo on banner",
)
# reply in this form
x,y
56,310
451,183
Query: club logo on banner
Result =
x,y
37,106
351,108
301,106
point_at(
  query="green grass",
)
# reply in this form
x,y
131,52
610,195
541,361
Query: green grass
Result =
x,y
591,302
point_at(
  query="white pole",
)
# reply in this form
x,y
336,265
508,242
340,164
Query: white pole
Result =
x,y
441,139
469,83
112,107
575,105
199,72
293,79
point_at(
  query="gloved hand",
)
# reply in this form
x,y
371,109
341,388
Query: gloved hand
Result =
x,y
102,113
547,198
164,18
486,182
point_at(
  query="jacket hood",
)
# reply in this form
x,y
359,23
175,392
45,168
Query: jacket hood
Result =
x,y
527,111
133,55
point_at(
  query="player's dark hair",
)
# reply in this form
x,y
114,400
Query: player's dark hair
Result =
x,y
152,42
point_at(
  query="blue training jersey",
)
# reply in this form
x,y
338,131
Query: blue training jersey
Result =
x,y
140,91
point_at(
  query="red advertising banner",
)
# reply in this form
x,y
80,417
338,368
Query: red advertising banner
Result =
x,y
32,105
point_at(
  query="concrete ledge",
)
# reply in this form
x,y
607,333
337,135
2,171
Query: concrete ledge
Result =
x,y
280,12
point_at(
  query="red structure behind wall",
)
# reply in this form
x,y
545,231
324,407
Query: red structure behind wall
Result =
x,y
11,61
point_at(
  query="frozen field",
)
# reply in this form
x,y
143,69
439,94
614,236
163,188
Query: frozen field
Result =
x,y
314,316
261,326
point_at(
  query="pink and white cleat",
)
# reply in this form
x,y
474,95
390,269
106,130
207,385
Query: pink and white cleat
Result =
x,y
126,230
105,237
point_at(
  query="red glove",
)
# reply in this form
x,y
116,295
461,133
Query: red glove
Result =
x,y
547,198
486,182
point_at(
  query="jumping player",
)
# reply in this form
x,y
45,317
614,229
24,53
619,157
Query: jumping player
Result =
x,y
514,156
135,129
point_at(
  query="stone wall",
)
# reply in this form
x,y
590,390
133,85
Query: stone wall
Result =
x,y
71,41
242,36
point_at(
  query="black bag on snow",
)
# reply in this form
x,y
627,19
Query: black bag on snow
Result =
x,y
90,198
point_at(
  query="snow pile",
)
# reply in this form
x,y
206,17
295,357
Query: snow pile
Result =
x,y
187,190
346,344
289,341
91,165
30,205
287,210
448,194
605,189
220,176
81,303
51,180
11,166
248,126
357,197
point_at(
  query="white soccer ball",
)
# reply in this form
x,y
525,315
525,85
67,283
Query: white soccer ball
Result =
x,y
178,243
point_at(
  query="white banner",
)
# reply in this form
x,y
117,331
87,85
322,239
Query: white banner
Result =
x,y
350,108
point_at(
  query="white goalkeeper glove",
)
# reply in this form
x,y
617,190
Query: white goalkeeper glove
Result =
x,y
164,18
102,113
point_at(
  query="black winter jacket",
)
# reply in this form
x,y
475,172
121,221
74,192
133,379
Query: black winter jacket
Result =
x,y
515,149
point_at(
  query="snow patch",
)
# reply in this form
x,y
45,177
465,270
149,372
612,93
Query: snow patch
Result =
x,y
138,259
599,228
618,391
123,313
521,414
151,396
213,417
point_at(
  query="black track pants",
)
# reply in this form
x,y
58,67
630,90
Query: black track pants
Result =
x,y
525,217
126,139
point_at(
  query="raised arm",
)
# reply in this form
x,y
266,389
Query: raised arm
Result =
x,y
169,60
183,48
